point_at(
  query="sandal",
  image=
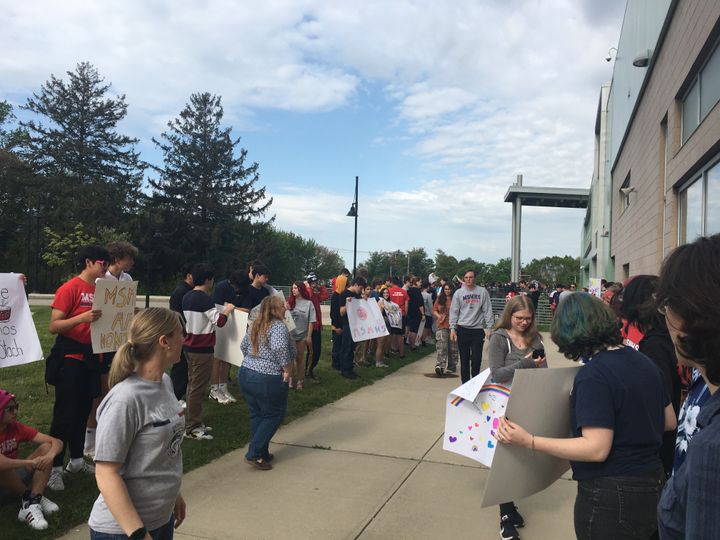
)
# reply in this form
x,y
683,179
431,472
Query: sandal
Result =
x,y
259,463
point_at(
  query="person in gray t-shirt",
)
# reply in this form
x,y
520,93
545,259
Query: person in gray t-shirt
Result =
x,y
303,314
140,429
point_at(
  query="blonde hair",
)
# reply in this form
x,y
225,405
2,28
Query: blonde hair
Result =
x,y
515,304
145,330
271,309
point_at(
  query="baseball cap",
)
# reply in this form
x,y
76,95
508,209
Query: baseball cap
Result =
x,y
311,277
5,398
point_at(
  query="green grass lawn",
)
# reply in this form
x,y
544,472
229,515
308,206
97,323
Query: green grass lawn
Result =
x,y
230,422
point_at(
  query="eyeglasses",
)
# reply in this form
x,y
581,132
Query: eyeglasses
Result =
x,y
522,319
661,303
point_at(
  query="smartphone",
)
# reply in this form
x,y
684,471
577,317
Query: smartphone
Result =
x,y
538,353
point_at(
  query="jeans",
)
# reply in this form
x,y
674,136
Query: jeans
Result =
x,y
316,344
347,350
618,507
161,533
267,397
470,346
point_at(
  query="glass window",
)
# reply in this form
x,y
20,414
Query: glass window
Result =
x,y
690,113
712,204
710,84
691,225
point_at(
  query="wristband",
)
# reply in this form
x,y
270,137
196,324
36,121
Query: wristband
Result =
x,y
138,534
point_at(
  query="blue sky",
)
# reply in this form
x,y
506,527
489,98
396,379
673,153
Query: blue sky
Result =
x,y
436,106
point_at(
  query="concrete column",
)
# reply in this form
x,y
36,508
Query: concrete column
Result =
x,y
516,226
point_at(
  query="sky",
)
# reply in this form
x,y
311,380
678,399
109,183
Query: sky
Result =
x,y
435,105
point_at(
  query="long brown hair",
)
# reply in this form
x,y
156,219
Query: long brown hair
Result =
x,y
145,330
517,303
271,309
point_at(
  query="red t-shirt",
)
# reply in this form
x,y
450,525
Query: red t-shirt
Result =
x,y
400,297
12,436
73,298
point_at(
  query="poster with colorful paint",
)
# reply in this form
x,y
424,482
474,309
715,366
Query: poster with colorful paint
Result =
x,y
472,413
595,287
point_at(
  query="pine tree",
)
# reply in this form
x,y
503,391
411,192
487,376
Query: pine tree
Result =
x,y
207,198
75,143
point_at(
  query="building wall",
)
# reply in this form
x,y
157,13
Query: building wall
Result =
x,y
652,155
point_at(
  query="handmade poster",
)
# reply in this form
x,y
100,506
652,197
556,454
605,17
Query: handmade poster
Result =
x,y
116,299
229,337
394,315
472,413
595,288
19,343
366,320
540,403
418,336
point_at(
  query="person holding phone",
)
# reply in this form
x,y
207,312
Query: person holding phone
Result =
x,y
514,344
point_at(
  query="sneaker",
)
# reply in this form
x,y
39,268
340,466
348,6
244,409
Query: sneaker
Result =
x,y
515,518
48,507
86,468
259,463
214,394
508,530
206,429
381,364
182,403
56,482
199,435
32,515
89,449
228,396
439,371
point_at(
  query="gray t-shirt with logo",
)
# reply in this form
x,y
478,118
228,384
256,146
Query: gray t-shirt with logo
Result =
x,y
303,314
141,425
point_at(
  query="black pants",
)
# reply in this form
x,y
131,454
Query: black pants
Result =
x,y
75,390
618,507
311,364
347,351
470,347
336,347
179,376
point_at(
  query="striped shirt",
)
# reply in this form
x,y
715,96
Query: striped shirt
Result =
x,y
201,319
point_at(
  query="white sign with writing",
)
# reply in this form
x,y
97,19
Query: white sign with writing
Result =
x,y
366,320
229,337
116,299
19,343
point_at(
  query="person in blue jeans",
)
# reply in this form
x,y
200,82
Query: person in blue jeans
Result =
x,y
619,411
269,353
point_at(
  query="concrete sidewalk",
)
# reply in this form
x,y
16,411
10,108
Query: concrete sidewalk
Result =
x,y
368,466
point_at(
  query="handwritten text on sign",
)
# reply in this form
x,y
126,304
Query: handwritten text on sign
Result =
x,y
366,320
116,299
19,343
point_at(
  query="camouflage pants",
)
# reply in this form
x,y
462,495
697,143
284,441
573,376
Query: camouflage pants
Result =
x,y
447,351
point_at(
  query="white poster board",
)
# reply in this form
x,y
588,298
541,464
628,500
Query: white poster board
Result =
x,y
116,299
365,319
419,335
229,337
19,343
472,413
595,287
540,402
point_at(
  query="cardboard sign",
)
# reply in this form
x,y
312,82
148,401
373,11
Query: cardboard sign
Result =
x,y
366,320
229,337
540,403
472,414
19,343
116,299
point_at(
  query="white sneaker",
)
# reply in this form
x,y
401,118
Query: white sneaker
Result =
x,y
182,403
230,398
56,482
48,507
86,468
206,429
214,394
33,516
199,435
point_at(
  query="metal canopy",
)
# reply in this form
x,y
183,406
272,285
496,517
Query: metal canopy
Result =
x,y
548,196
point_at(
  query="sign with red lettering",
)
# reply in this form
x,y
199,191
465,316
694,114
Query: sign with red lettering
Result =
x,y
116,299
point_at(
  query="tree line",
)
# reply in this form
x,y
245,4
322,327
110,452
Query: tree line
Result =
x,y
69,177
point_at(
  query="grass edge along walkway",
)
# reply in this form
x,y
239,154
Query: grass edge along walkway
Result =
x,y
231,424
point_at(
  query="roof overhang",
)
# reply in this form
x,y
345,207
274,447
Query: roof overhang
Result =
x,y
548,196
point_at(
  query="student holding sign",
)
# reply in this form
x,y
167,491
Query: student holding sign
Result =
x,y
72,367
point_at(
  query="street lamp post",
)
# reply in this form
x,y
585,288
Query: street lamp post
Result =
x,y
353,212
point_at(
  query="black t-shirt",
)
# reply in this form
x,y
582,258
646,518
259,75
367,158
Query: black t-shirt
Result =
x,y
335,318
177,295
620,390
415,302
253,297
224,292
347,293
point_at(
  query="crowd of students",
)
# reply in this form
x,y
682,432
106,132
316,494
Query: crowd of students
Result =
x,y
644,408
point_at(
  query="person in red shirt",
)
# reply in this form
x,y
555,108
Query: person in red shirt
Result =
x,y
318,293
25,478
76,376
398,296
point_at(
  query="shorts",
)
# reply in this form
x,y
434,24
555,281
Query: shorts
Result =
x,y
396,331
413,324
7,496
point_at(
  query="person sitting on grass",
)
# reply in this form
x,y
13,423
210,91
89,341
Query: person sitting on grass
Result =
x,y
25,478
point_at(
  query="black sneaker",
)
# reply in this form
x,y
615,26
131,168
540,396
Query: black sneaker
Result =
x,y
438,371
515,518
508,530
